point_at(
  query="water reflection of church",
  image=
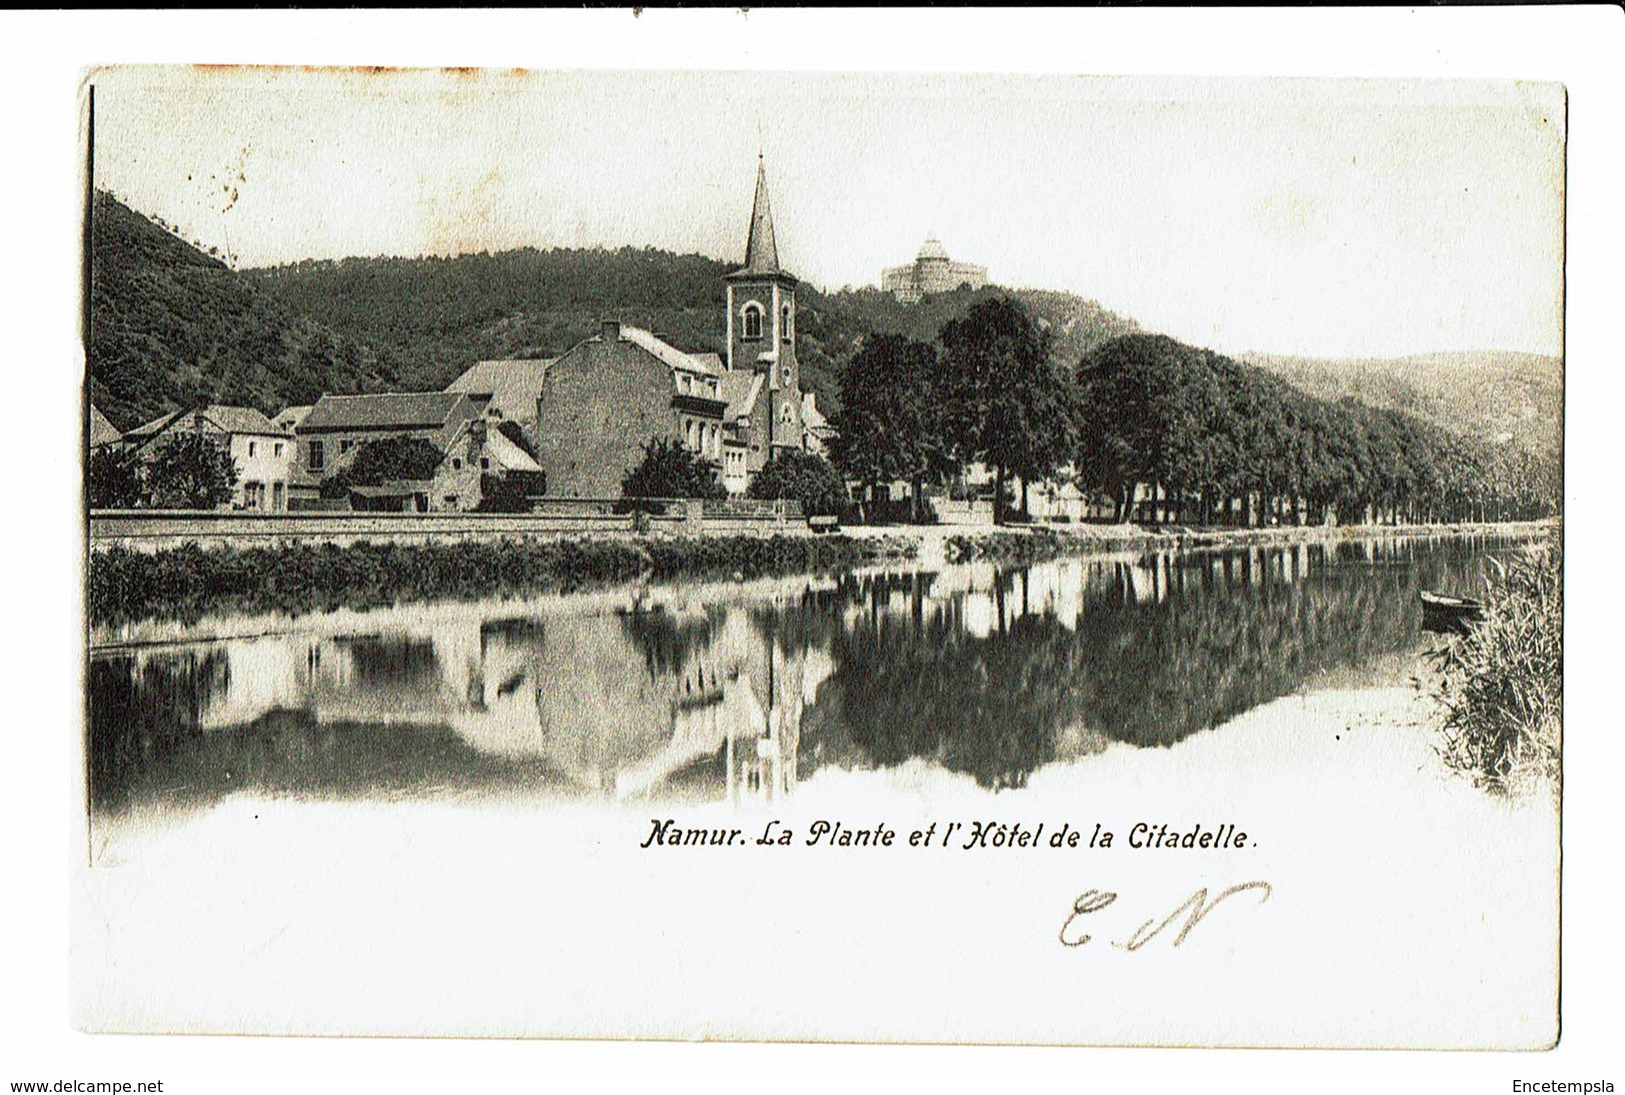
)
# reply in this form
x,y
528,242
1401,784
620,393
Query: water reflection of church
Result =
x,y
646,699
986,672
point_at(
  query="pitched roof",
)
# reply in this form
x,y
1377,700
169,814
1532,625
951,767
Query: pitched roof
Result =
x,y
513,383
289,417
391,411
102,431
225,418
670,354
761,249
156,426
739,391
510,456
239,419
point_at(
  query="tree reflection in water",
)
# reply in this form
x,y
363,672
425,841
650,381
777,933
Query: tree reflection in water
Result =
x,y
1145,652
985,672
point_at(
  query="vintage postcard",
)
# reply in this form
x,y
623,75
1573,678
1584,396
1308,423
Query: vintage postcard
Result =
x,y
850,557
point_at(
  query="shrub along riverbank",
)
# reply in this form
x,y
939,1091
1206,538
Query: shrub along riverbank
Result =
x,y
1017,548
1502,682
188,582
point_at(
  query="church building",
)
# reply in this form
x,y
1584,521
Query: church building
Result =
x,y
608,396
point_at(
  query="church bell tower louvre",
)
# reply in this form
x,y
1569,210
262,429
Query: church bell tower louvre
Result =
x,y
761,303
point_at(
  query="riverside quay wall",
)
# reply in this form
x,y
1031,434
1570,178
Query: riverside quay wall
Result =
x,y
153,530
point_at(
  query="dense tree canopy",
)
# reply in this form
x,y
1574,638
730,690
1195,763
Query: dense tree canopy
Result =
x,y
510,493
189,470
382,460
112,480
1168,432
1228,441
668,470
173,328
809,479
1006,402
893,422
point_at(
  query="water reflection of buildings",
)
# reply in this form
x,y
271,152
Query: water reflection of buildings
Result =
x,y
628,704
983,670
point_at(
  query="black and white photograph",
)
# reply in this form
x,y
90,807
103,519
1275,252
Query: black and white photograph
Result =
x,y
609,470
906,555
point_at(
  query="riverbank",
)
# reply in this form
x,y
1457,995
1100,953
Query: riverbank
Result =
x,y
1502,683
187,582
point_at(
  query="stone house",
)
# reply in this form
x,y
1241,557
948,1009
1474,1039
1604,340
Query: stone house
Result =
x,y
607,397
264,454
456,423
611,394
478,450
514,386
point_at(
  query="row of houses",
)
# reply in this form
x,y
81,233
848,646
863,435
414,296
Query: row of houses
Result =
x,y
569,426
573,424
282,463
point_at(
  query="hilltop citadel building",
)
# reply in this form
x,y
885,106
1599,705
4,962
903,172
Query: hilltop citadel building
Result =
x,y
932,271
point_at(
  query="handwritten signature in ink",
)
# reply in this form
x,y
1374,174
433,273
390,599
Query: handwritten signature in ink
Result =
x,y
1187,915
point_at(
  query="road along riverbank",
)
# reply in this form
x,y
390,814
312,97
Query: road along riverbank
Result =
x,y
937,544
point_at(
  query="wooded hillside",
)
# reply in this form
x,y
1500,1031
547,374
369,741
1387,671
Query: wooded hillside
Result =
x,y
439,315
172,327
1490,395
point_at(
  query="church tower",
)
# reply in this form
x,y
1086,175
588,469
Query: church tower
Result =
x,y
762,334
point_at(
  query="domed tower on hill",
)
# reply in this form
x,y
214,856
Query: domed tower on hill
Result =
x,y
932,271
932,264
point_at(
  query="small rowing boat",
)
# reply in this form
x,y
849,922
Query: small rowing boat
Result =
x,y
1443,612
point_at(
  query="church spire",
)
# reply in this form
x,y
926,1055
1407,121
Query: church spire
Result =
x,y
761,250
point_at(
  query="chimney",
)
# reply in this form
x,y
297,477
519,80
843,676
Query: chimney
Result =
x,y
610,330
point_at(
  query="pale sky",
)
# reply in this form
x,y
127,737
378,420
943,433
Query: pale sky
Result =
x,y
1291,216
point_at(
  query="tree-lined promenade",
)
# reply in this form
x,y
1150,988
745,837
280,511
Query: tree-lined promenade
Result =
x,y
1165,431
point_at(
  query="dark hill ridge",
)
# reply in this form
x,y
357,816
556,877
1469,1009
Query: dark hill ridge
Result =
x,y
172,327
439,315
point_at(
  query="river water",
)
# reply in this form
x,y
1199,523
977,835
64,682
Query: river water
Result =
x,y
437,819
742,692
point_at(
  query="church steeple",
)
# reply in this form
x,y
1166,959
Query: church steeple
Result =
x,y
761,250
762,336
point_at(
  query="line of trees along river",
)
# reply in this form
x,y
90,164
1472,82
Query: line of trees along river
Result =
x,y
1164,430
